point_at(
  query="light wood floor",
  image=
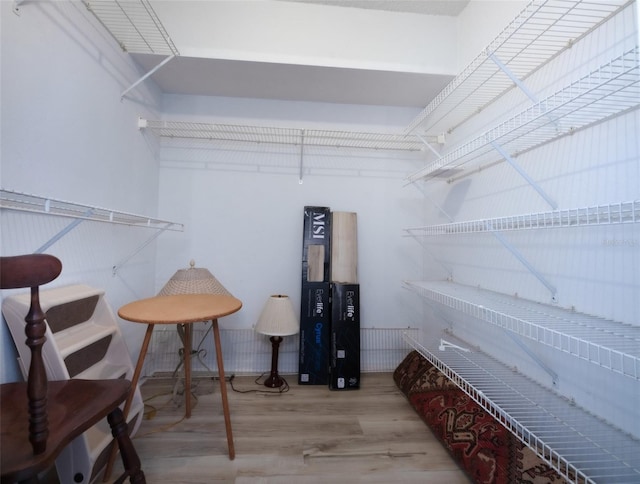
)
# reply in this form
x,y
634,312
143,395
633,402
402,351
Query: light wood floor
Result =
x,y
306,435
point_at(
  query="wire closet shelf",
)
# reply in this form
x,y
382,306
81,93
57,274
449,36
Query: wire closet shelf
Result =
x,y
610,90
610,344
25,202
134,25
611,214
580,446
225,133
542,30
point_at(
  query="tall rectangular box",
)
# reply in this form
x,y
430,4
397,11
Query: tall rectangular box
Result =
x,y
345,337
344,247
315,334
315,314
316,244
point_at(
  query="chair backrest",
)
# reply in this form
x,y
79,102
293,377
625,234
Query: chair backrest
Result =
x,y
32,271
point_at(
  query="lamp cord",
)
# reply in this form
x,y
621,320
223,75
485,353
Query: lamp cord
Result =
x,y
276,391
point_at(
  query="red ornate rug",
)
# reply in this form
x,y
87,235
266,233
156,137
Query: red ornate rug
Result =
x,y
483,447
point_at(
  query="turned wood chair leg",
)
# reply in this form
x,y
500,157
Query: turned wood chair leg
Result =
x,y
130,459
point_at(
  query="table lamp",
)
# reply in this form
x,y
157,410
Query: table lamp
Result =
x,y
194,280
277,319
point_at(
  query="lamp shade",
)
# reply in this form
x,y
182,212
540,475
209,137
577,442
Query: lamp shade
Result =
x,y
278,317
193,281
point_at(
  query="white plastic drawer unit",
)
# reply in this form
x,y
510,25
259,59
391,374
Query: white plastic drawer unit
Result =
x,y
83,341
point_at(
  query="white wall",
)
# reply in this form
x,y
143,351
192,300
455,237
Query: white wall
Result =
x,y
243,208
66,135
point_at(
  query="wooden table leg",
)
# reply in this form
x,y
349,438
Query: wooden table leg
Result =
x,y
138,369
127,405
187,369
223,389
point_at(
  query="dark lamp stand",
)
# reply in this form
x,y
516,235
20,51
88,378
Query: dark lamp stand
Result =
x,y
274,380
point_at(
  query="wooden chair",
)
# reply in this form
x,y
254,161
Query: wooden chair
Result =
x,y
39,418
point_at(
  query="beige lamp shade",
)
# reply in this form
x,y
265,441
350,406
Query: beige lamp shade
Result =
x,y
194,280
278,317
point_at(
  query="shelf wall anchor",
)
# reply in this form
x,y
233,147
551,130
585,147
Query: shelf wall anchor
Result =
x,y
16,6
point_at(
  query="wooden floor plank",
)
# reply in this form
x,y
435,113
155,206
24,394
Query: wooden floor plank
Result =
x,y
307,435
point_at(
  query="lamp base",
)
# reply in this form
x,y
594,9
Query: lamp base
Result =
x,y
274,380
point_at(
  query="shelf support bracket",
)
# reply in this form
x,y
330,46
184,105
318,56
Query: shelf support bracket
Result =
x,y
145,76
513,77
440,209
147,242
446,269
524,174
63,232
428,145
534,357
507,245
438,156
523,87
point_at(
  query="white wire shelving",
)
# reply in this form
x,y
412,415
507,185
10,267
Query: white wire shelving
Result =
x,y
137,28
610,344
605,92
13,200
579,445
280,135
539,33
25,202
134,25
611,214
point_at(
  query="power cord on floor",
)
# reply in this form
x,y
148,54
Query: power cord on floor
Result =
x,y
150,411
276,391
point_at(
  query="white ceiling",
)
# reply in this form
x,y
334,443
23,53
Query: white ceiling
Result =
x,y
298,82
